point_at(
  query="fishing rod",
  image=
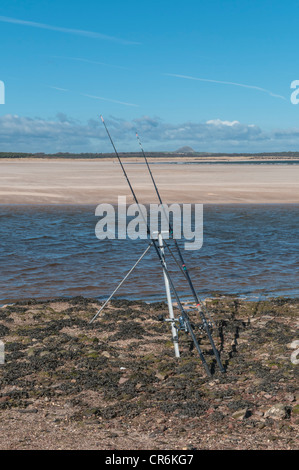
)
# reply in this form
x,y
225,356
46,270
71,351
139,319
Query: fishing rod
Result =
x,y
165,270
184,268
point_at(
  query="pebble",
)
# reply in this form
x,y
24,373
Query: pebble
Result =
x,y
278,411
122,380
290,397
106,354
241,414
261,425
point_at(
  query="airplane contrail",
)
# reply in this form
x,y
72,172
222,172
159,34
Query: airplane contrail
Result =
x,y
79,32
226,83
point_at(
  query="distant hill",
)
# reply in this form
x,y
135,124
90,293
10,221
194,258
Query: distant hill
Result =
x,y
185,149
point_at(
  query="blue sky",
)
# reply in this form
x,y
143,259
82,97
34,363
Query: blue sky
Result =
x,y
212,75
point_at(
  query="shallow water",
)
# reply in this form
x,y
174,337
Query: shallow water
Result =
x,y
51,251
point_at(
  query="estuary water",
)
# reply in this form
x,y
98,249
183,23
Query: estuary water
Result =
x,y
251,251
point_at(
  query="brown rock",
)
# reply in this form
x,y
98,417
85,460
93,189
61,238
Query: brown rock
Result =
x,y
278,411
241,414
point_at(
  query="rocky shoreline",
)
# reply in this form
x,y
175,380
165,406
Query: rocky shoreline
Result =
x,y
115,384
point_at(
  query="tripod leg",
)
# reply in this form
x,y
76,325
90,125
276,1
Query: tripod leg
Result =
x,y
169,301
121,283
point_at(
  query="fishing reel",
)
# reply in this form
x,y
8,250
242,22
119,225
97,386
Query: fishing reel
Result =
x,y
179,323
206,326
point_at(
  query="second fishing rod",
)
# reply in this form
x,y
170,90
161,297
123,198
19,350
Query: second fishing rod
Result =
x,y
183,267
183,313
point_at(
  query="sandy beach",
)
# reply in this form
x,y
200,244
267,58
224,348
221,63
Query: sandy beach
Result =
x,y
44,181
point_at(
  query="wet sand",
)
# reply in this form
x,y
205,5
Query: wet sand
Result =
x,y
28,181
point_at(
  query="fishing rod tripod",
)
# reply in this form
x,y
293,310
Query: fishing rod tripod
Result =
x,y
177,323
183,322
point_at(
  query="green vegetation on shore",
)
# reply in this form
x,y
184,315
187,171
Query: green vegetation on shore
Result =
x,y
203,155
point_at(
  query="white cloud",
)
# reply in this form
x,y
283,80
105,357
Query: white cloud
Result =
x,y
64,134
218,122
